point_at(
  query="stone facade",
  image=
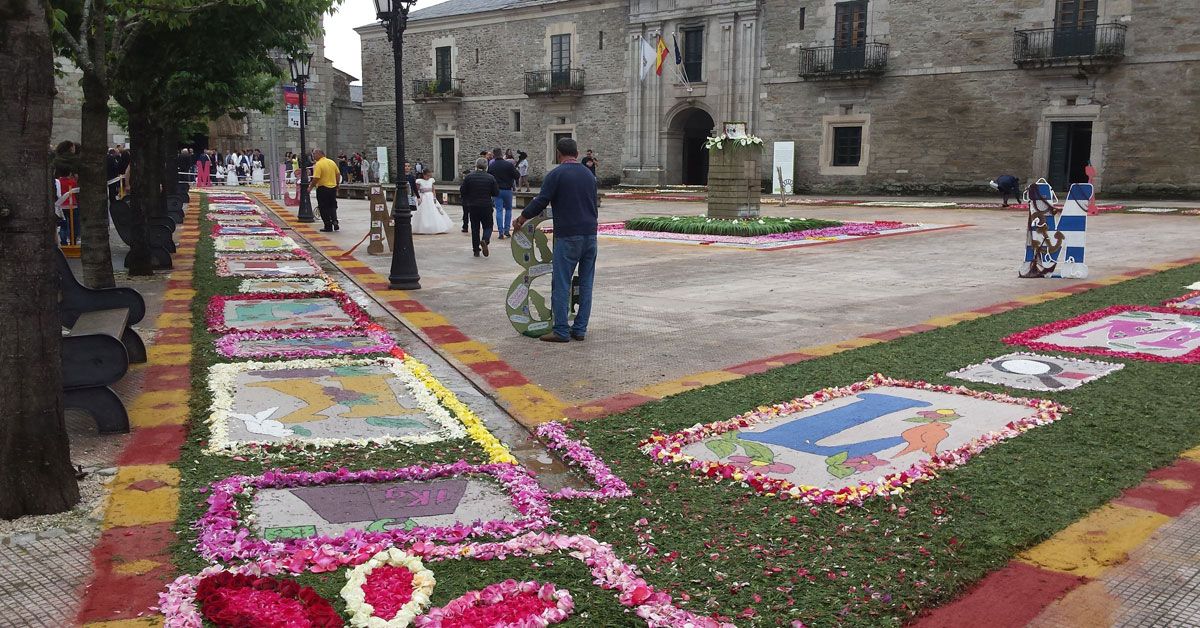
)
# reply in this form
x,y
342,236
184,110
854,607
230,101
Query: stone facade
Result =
x,y
68,107
490,53
947,109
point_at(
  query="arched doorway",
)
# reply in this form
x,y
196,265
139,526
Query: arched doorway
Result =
x,y
687,159
697,126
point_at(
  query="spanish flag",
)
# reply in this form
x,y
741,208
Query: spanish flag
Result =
x,y
662,55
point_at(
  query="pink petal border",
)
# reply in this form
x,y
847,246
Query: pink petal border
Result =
x,y
1029,337
668,448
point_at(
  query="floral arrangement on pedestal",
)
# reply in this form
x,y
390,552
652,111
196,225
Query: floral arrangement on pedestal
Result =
x,y
388,591
718,142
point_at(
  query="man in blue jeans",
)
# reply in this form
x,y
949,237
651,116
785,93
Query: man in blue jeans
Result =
x,y
571,190
506,177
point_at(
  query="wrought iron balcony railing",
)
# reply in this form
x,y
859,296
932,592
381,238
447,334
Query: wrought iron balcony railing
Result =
x,y
568,81
1103,44
437,88
840,62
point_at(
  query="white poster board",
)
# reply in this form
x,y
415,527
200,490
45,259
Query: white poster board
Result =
x,y
293,114
382,156
785,164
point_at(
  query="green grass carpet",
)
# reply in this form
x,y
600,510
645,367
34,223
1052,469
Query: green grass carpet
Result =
x,y
759,561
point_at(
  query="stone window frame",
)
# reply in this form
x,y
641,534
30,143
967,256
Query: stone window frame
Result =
x,y
443,42
436,160
1062,112
562,28
551,153
828,123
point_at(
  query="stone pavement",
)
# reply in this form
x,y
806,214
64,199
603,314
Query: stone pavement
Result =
x,y
31,594
1133,562
665,313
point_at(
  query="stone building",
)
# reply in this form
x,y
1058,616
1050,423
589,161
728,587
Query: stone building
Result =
x,y
334,117
879,96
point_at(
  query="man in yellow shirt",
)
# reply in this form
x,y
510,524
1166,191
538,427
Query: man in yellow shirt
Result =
x,y
325,179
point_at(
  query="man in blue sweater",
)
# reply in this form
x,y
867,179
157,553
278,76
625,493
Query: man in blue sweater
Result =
x,y
571,190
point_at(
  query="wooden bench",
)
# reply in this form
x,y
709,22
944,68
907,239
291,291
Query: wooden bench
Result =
x,y
99,346
158,233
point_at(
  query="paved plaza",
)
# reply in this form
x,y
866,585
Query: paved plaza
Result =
x,y
666,311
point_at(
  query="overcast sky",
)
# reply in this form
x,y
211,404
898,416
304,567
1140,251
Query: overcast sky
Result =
x,y
341,42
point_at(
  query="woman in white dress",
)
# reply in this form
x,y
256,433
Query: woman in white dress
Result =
x,y
231,177
429,217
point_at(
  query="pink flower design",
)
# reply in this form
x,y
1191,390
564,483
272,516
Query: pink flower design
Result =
x,y
864,464
746,463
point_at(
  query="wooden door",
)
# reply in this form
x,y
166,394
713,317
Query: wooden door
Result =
x,y
850,35
1075,28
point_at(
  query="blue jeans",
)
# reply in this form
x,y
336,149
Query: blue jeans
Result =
x,y
503,205
569,252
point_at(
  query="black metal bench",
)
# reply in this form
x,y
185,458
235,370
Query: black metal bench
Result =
x,y
158,233
99,347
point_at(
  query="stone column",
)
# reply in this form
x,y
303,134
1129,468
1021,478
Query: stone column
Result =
x,y
733,181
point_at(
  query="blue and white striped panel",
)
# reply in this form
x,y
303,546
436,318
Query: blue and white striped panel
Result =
x,y
1073,225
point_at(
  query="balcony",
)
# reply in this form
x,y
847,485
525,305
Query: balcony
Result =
x,y
1100,45
437,89
831,63
554,82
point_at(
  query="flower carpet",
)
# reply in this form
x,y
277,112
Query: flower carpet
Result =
x,y
849,230
329,478
322,453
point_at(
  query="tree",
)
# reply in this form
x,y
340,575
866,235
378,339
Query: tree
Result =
x,y
35,457
168,78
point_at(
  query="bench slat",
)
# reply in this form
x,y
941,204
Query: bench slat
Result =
x,y
106,322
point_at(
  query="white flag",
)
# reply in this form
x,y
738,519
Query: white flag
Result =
x,y
648,56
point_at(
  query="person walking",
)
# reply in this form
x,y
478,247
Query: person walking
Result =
x,y
571,190
523,170
430,217
325,179
506,177
477,191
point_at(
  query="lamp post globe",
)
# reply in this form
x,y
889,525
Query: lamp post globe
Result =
x,y
300,65
393,14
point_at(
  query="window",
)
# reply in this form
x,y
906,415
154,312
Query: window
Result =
x,y
516,120
850,24
602,40
803,10
560,53
1075,14
442,68
693,54
847,145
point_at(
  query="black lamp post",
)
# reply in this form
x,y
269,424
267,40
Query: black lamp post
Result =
x,y
394,16
300,64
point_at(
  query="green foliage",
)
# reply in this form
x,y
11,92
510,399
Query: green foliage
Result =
x,y
717,226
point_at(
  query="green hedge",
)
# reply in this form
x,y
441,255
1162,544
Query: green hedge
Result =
x,y
719,226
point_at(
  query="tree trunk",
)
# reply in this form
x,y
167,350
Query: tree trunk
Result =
x,y
93,174
145,173
35,456
169,143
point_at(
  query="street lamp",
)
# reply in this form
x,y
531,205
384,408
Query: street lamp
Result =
x,y
393,14
300,64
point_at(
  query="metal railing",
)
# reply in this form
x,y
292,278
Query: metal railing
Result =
x,y
437,88
836,62
554,81
1103,43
